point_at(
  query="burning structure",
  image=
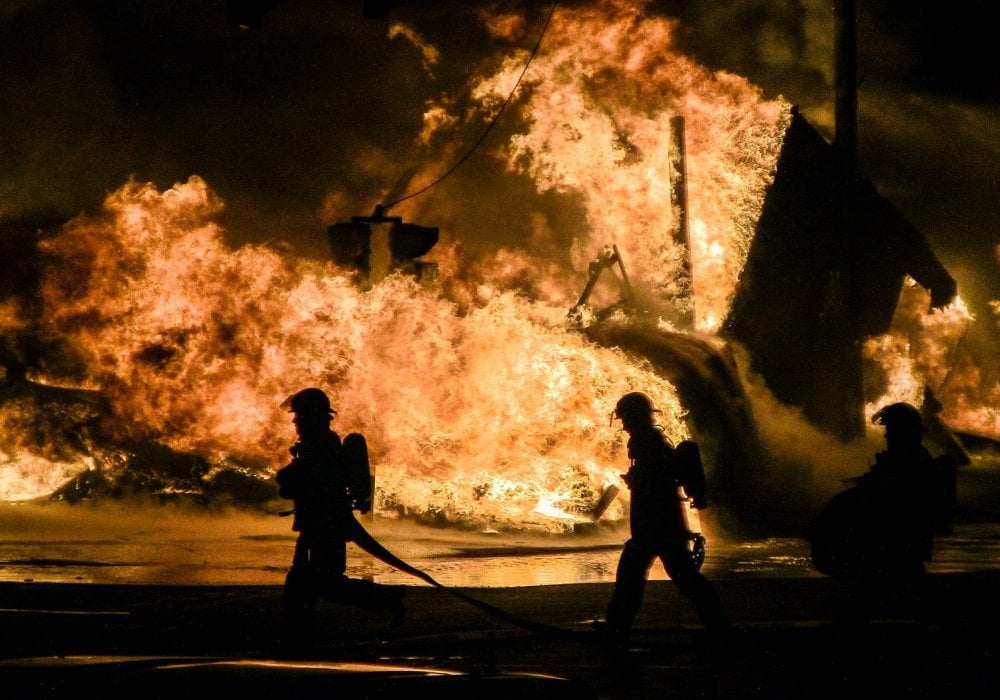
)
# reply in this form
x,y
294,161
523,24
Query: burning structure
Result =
x,y
825,272
482,402
834,254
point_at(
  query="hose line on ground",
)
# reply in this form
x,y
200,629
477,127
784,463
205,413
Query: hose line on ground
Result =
x,y
365,541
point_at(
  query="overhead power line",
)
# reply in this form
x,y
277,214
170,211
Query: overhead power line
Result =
x,y
489,126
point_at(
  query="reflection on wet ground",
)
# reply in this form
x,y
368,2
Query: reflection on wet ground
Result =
x,y
198,549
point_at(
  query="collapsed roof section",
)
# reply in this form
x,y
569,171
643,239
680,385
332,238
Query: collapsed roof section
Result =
x,y
824,272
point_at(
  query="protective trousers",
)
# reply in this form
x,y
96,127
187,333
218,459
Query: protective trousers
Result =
x,y
633,570
319,571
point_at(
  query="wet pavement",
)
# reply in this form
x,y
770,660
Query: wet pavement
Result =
x,y
785,643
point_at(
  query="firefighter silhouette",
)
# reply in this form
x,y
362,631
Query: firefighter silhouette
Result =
x,y
327,479
658,528
878,534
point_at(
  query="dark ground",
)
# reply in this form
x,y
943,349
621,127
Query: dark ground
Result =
x,y
785,647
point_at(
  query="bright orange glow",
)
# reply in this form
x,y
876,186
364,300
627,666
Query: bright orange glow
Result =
x,y
496,415
480,403
923,349
598,103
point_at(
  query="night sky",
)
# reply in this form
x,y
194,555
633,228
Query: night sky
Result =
x,y
92,93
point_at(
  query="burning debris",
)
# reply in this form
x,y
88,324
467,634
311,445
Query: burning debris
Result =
x,y
482,403
62,429
374,247
608,259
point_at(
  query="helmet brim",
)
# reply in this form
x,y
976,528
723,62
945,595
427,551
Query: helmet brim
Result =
x,y
287,405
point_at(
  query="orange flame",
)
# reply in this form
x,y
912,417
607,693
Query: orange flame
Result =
x,y
487,416
597,103
924,349
480,405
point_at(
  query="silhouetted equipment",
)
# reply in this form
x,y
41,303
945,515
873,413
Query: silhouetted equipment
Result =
x,y
697,544
409,241
693,495
609,257
680,196
378,245
350,244
691,471
360,479
608,496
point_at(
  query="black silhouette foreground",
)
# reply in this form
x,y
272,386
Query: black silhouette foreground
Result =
x,y
658,477
877,535
785,648
328,479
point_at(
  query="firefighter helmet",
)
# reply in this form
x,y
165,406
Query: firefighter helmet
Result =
x,y
900,415
311,401
634,404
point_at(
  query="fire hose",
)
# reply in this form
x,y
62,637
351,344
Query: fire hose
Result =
x,y
363,539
